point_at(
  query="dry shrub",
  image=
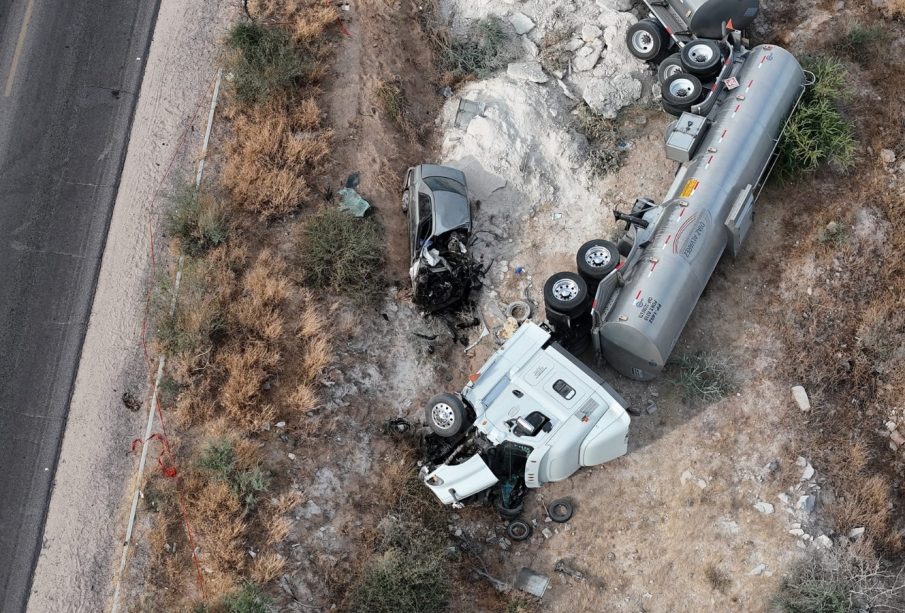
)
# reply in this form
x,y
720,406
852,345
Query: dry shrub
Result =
x,y
277,530
269,160
287,501
247,369
303,399
267,567
866,505
307,20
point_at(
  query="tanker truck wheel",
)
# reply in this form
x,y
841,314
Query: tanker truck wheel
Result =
x,y
445,414
645,39
668,67
702,58
566,293
596,259
681,91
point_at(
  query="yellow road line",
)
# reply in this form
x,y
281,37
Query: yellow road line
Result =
x,y
20,42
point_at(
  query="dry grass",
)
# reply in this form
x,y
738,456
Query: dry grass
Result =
x,y
843,335
271,156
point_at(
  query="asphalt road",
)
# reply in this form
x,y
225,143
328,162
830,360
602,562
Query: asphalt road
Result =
x,y
69,76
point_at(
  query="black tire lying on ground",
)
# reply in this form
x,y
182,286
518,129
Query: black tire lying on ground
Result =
x,y
560,510
509,512
701,57
567,293
519,530
445,414
645,39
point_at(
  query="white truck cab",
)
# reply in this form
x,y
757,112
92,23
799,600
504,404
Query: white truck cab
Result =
x,y
538,415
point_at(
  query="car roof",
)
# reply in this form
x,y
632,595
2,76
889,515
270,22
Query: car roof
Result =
x,y
451,210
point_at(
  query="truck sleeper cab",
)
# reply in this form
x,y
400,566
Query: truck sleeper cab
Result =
x,y
539,415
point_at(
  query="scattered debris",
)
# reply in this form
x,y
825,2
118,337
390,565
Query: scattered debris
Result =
x,y
763,507
521,22
758,570
531,582
562,567
806,503
855,532
527,71
130,401
351,202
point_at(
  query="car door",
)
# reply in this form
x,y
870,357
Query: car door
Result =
x,y
424,228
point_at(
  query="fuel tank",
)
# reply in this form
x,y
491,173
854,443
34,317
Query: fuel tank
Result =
x,y
707,209
705,18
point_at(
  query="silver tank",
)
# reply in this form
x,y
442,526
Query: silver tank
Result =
x,y
705,18
639,326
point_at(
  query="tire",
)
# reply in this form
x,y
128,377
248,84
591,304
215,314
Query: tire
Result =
x,y
675,111
682,90
519,530
509,513
668,67
701,57
567,293
596,259
445,414
560,510
645,39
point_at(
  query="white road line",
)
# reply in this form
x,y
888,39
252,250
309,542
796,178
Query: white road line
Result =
x,y
20,42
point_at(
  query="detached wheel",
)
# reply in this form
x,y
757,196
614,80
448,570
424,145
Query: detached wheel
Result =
x,y
681,91
509,512
567,293
596,259
645,39
445,414
518,530
560,510
668,67
701,57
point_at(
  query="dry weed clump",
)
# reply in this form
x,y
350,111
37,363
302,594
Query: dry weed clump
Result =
x,y
271,157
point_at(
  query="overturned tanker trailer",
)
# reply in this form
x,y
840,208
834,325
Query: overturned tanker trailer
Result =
x,y
671,249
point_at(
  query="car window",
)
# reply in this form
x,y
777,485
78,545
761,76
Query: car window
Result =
x,y
425,207
443,184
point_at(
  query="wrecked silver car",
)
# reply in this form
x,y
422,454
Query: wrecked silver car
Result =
x,y
533,414
443,273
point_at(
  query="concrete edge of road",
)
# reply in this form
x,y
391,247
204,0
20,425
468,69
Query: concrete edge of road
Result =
x,y
153,405
95,474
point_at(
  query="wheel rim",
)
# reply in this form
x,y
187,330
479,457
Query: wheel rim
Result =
x,y
671,70
643,41
443,415
700,54
565,290
681,88
598,257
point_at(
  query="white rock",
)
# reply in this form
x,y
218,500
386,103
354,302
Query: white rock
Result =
x,y
888,156
701,483
801,462
615,5
607,96
855,532
547,533
686,477
784,498
823,541
764,507
758,570
566,91
807,473
574,44
529,47
521,22
586,57
291,456
890,425
806,503
796,532
590,32
896,437
281,424
527,71
801,397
